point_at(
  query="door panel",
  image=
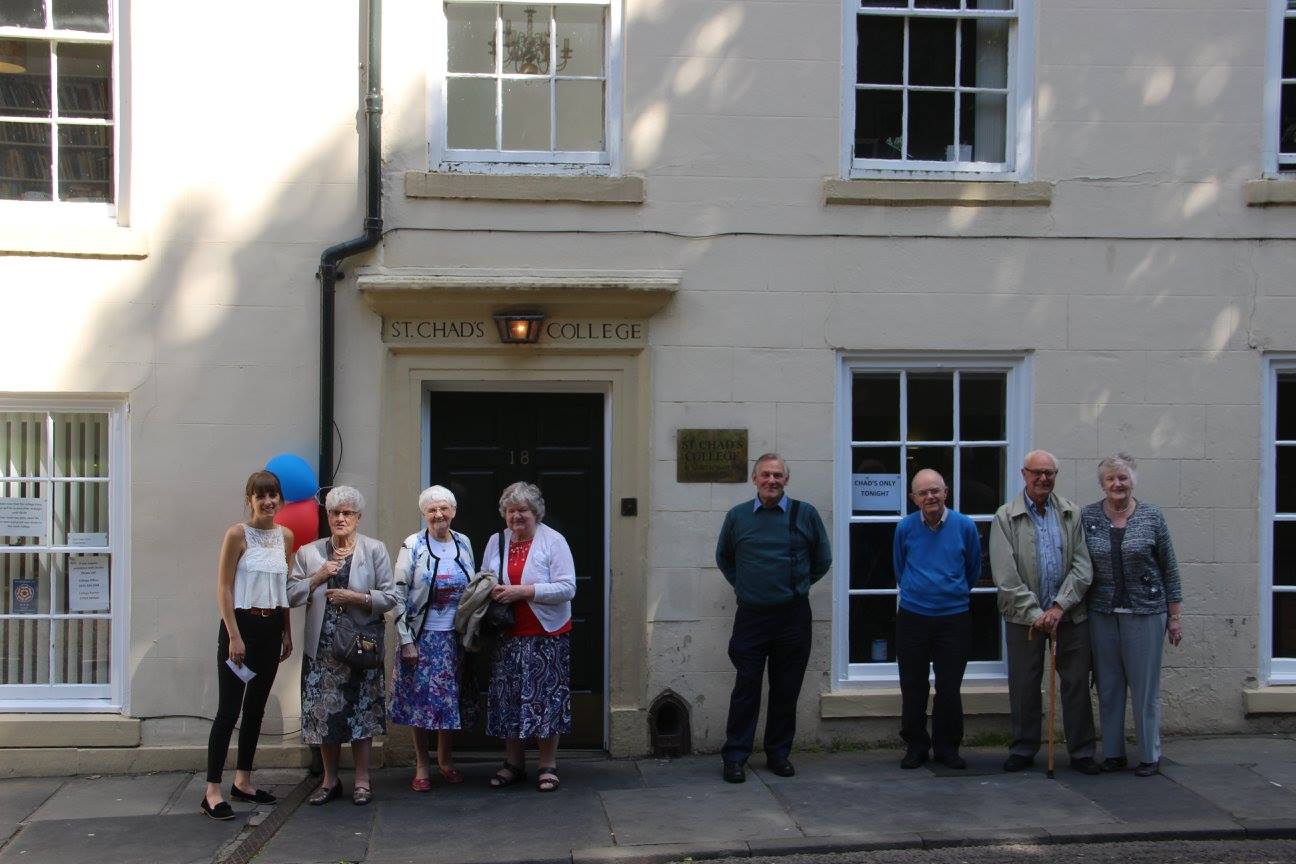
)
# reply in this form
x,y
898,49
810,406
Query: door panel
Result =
x,y
482,442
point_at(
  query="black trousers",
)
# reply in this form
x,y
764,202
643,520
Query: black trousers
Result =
x,y
779,635
940,642
263,639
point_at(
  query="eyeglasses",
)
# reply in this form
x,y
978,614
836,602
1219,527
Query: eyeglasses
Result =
x,y
929,493
1045,473
345,514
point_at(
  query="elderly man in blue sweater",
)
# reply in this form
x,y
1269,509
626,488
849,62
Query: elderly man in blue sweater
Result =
x,y
771,550
937,556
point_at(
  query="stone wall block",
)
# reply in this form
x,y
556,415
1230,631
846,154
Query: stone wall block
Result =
x,y
1237,536
804,430
1089,378
1166,322
758,418
1233,431
684,539
1203,377
783,375
1068,431
1159,431
1219,483
1192,532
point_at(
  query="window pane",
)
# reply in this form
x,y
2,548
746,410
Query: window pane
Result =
x,y
85,163
83,583
880,51
871,565
884,4
22,443
1286,484
867,495
81,651
470,37
985,53
872,629
1284,626
983,124
986,642
89,15
986,579
27,93
875,407
526,41
470,113
878,124
580,32
1286,408
931,52
1289,48
26,582
931,126
580,115
980,480
526,115
22,13
80,445
85,81
25,157
80,514
982,400
931,406
24,652
990,4
1287,120
936,4
936,458
1284,553
27,511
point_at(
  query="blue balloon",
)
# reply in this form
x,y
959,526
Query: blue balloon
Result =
x,y
296,477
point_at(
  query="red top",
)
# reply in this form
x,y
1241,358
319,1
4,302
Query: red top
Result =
x,y
525,622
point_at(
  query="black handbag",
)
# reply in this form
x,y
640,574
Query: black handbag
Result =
x,y
499,616
360,646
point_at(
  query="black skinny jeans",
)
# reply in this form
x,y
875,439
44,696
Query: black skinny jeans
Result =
x,y
263,639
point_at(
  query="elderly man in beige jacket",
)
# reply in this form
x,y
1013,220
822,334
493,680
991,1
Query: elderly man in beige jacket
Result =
x,y
1041,566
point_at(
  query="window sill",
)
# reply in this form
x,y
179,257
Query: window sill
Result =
x,y
1269,193
938,193
525,187
72,240
1276,699
978,699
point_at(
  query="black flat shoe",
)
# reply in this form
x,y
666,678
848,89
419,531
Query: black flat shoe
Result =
x,y
734,772
222,812
781,767
1086,765
260,796
1113,763
324,796
1017,762
1147,769
913,759
952,760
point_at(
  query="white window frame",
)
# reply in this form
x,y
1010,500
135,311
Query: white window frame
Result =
x,y
1017,405
597,162
1019,123
1273,81
83,698
1273,670
61,210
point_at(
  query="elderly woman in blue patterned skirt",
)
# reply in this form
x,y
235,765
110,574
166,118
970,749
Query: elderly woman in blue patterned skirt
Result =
x,y
433,568
349,574
530,686
1134,608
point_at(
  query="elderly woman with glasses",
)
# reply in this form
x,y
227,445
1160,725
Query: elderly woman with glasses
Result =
x,y
433,568
1134,608
530,686
347,574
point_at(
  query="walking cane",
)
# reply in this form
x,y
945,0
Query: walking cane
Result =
x,y
1052,700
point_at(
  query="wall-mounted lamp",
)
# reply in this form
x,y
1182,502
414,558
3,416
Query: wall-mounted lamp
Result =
x,y
13,56
518,327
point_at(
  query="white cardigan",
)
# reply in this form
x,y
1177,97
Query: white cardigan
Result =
x,y
549,567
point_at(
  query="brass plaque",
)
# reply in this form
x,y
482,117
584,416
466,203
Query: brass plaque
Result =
x,y
711,456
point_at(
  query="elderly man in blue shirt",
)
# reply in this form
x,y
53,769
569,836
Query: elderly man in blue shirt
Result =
x,y
1041,566
771,550
937,558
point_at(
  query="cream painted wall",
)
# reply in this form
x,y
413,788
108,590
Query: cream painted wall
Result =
x,y
1146,291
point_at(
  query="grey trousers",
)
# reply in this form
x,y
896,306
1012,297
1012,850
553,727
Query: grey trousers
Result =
x,y
1127,653
1026,667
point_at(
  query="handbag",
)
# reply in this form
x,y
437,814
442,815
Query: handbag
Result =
x,y
360,646
499,616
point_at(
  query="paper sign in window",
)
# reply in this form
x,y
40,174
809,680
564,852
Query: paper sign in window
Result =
x,y
876,492
88,583
22,517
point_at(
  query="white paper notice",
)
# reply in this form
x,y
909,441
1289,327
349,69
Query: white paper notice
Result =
x,y
244,673
876,492
88,583
22,517
82,540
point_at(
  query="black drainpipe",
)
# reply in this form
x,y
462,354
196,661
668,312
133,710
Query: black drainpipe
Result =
x,y
333,255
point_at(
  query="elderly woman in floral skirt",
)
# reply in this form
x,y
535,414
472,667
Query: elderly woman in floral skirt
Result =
x,y
432,570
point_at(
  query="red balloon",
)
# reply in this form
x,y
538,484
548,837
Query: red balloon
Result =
x,y
301,518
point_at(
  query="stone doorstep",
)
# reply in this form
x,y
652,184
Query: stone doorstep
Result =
x,y
66,761
63,730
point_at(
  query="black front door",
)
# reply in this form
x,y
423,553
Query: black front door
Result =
x,y
482,442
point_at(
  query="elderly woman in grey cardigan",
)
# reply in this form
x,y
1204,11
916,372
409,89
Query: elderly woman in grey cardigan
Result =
x,y
348,574
1135,605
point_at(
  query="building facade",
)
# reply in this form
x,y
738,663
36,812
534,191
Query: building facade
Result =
x,y
873,235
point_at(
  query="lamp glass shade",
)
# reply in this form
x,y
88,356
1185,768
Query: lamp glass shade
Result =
x,y
516,328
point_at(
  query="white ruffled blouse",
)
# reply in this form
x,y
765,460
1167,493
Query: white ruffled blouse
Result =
x,y
261,580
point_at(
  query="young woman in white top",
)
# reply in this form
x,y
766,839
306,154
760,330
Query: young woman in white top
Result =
x,y
252,594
